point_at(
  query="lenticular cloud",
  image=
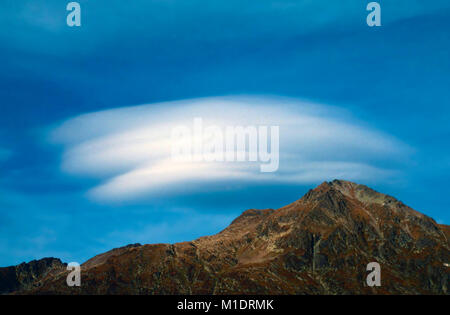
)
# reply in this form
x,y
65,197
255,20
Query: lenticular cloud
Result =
x,y
129,149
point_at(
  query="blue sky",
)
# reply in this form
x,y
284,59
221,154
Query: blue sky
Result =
x,y
61,87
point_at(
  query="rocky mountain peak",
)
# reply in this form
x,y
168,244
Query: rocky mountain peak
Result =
x,y
339,189
320,243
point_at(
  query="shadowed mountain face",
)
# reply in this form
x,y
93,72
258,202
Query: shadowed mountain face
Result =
x,y
27,276
320,244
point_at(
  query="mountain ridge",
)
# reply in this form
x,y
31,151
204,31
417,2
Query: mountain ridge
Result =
x,y
319,244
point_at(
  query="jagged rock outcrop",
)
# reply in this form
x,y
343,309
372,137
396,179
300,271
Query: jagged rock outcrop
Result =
x,y
27,276
320,244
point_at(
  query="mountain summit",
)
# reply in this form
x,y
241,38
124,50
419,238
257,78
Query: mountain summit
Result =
x,y
320,244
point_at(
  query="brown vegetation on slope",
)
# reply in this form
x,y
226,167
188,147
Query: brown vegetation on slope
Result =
x,y
320,244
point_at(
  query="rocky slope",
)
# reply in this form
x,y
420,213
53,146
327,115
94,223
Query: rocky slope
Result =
x,y
320,244
27,276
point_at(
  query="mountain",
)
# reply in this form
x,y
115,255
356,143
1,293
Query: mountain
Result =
x,y
27,276
320,244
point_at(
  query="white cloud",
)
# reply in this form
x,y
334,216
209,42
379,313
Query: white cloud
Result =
x,y
128,149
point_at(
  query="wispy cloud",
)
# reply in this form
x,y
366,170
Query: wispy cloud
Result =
x,y
129,149
22,21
